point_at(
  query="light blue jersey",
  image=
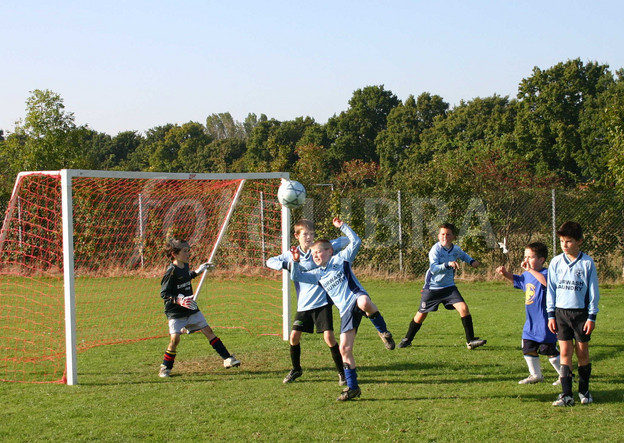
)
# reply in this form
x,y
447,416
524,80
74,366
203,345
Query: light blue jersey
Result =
x,y
440,274
337,277
572,285
309,296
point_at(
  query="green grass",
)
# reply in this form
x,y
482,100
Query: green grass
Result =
x,y
437,390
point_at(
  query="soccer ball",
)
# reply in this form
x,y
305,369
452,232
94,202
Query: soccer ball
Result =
x,y
291,194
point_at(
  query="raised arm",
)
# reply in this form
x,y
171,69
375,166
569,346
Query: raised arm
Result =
x,y
351,250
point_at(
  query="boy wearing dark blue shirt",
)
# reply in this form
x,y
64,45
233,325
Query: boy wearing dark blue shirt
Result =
x,y
536,337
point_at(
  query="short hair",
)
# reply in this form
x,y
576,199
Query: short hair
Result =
x,y
570,229
540,249
304,224
450,226
322,242
174,246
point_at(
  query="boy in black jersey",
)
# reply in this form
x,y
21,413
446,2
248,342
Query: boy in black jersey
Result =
x,y
180,307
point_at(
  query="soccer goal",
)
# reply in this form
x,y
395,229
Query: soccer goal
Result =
x,y
82,255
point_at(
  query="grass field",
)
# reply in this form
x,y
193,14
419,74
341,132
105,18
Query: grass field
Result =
x,y
437,390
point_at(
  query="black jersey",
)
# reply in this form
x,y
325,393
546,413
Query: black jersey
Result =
x,y
176,281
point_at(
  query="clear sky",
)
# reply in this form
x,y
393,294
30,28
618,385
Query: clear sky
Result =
x,y
134,65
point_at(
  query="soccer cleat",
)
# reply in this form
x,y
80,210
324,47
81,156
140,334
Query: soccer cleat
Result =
x,y
404,343
342,380
586,398
231,362
531,380
564,400
348,394
292,376
475,343
164,372
386,337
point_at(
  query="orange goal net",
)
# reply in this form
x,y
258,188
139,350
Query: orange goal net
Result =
x,y
82,255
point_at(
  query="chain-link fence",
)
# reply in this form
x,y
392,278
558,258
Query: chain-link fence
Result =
x,y
398,228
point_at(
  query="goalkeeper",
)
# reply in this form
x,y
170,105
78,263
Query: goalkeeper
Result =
x,y
180,307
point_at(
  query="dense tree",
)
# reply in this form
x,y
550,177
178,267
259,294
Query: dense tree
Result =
x,y
47,137
551,103
614,121
405,124
311,166
139,159
353,132
272,144
225,155
222,126
183,149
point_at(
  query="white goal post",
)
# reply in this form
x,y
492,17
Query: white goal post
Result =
x,y
236,222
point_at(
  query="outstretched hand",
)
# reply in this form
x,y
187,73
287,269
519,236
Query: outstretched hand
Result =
x,y
295,253
203,267
337,222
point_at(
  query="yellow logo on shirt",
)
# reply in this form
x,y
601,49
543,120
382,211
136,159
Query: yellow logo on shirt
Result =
x,y
529,294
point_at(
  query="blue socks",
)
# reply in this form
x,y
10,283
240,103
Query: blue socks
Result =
x,y
351,376
378,321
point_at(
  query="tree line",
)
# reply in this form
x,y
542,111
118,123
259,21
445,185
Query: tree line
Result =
x,y
564,128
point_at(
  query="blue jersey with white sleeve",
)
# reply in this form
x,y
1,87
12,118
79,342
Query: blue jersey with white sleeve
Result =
x,y
337,277
536,324
572,285
440,274
309,296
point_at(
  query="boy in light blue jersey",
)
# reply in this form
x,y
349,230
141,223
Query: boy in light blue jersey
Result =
x,y
313,306
536,337
335,276
572,305
440,287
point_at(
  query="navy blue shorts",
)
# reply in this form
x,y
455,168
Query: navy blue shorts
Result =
x,y
430,299
351,319
530,346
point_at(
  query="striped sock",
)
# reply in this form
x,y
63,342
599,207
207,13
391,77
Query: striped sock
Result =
x,y
169,359
218,346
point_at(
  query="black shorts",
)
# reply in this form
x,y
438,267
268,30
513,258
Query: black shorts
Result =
x,y
321,317
570,323
430,299
530,346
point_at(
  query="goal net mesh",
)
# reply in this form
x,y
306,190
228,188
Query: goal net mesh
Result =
x,y
120,226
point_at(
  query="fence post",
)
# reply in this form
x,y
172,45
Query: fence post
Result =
x,y
400,233
554,223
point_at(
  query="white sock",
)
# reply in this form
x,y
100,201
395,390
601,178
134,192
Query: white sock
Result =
x,y
555,362
533,362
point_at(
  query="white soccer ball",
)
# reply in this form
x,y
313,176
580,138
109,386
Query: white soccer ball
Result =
x,y
291,194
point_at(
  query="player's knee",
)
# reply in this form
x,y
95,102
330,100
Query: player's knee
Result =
x,y
330,339
174,340
345,349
